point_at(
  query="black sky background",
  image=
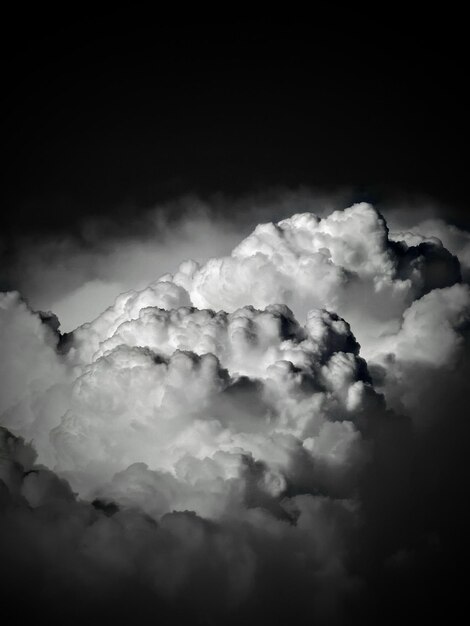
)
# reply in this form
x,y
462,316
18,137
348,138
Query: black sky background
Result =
x,y
100,121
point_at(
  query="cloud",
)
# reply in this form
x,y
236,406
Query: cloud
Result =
x,y
187,388
430,346
338,262
455,240
118,560
245,435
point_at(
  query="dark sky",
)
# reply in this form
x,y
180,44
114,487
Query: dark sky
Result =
x,y
96,120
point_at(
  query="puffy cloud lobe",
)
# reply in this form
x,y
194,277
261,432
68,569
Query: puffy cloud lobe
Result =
x,y
127,306
253,410
222,389
427,351
431,330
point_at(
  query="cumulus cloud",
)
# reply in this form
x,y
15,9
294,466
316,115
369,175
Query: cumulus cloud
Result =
x,y
239,433
345,262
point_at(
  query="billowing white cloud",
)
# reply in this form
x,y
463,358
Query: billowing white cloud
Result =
x,y
192,388
344,262
220,427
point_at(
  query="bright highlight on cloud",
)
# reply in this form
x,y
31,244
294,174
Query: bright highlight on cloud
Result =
x,y
239,433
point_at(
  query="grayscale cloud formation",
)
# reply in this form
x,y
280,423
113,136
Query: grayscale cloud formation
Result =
x,y
260,436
